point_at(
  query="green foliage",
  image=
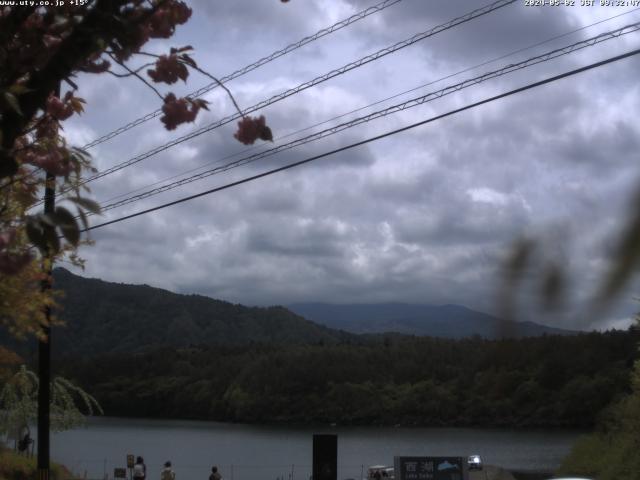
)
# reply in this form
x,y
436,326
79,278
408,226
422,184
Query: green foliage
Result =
x,y
604,458
384,380
611,453
65,413
19,400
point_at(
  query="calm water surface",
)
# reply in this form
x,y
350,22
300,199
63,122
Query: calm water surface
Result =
x,y
244,452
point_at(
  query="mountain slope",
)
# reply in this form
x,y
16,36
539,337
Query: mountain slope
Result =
x,y
111,317
448,321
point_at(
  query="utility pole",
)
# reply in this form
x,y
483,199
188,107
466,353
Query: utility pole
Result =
x,y
44,350
44,344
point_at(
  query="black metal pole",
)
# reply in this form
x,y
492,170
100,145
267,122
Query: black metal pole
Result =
x,y
44,352
44,344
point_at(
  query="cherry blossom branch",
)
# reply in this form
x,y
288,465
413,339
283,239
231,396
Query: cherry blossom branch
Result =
x,y
125,75
35,126
137,75
71,83
148,54
220,84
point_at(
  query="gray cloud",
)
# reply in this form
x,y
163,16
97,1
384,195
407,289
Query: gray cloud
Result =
x,y
475,40
425,216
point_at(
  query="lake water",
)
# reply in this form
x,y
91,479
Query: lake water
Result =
x,y
245,452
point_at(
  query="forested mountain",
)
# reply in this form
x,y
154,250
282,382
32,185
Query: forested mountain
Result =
x,y
446,321
144,351
393,379
111,317
106,317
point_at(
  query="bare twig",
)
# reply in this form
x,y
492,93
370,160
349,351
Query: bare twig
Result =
x,y
71,83
137,75
133,72
148,54
223,86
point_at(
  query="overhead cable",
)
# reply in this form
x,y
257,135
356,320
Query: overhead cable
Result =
x,y
323,78
269,58
377,102
414,102
487,62
242,71
369,140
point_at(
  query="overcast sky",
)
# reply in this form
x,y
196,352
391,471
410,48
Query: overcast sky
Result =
x,y
424,216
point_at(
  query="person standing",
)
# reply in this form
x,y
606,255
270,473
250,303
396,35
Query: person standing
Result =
x,y
139,469
215,475
167,473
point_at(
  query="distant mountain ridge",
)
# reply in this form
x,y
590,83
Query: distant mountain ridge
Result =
x,y
447,321
104,317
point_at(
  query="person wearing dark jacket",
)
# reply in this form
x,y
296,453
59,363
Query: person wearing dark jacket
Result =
x,y
215,475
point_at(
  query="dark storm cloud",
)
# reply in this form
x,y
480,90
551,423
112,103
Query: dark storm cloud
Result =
x,y
249,19
456,222
425,216
314,238
512,26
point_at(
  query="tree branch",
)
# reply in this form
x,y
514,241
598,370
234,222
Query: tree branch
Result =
x,y
125,75
135,74
220,84
148,54
74,49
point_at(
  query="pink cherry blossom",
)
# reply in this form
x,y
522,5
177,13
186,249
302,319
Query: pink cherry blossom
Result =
x,y
180,110
252,128
168,69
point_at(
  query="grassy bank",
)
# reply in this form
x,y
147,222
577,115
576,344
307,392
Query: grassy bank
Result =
x,y
20,467
607,457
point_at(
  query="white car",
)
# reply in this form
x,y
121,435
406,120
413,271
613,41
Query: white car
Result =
x,y
380,472
474,462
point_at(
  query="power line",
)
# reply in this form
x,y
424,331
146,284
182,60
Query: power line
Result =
x,y
323,78
269,58
246,69
414,102
371,139
378,102
487,62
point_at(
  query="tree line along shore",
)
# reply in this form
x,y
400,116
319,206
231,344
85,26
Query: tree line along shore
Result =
x,y
549,381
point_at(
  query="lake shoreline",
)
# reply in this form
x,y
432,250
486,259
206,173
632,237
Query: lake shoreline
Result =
x,y
244,450
312,425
